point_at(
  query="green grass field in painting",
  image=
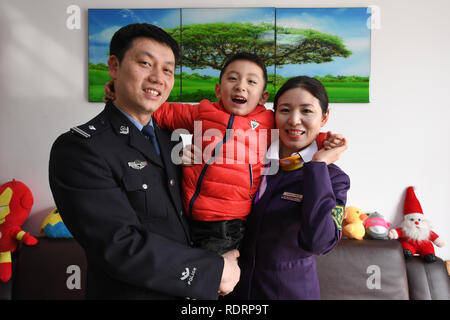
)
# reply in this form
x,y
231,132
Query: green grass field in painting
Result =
x,y
347,91
97,80
196,90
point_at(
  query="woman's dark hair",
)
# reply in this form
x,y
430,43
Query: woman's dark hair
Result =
x,y
248,57
313,86
123,39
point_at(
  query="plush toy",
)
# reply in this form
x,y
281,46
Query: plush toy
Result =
x,y
353,223
415,232
376,226
16,201
54,227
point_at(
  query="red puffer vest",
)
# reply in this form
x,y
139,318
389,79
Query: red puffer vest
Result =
x,y
233,149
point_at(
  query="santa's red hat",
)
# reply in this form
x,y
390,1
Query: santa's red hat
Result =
x,y
412,205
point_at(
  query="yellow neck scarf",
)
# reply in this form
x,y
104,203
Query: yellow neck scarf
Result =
x,y
291,163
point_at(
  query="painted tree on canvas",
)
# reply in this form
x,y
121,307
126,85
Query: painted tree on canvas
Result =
x,y
208,45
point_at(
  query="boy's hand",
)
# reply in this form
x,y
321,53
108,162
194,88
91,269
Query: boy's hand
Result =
x,y
190,155
332,154
109,92
333,141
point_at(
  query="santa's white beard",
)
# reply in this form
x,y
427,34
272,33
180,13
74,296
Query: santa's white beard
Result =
x,y
416,232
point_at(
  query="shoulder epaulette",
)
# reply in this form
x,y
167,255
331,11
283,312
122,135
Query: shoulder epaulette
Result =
x,y
91,128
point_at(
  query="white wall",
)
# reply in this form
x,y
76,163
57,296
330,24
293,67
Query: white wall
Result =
x,y
400,138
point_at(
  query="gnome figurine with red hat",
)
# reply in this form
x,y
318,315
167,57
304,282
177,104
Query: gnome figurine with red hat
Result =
x,y
415,232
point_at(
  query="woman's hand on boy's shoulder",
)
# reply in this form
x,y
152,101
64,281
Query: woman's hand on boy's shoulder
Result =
x,y
333,147
333,140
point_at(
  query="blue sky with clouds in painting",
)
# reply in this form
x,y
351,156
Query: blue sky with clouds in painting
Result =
x,y
103,23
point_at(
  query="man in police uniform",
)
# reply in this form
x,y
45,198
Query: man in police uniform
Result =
x,y
118,191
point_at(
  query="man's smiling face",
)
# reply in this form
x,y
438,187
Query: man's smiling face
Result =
x,y
144,78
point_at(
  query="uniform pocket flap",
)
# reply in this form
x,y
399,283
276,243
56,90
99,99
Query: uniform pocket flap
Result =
x,y
134,182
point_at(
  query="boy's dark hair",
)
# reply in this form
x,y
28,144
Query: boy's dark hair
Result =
x,y
249,57
123,39
313,86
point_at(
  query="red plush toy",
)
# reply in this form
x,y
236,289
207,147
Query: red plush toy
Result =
x,y
16,201
415,232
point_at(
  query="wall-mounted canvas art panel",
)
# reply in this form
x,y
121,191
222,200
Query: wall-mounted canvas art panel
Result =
x,y
331,44
209,36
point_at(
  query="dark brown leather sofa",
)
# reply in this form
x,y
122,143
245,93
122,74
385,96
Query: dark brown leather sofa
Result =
x,y
377,269
55,269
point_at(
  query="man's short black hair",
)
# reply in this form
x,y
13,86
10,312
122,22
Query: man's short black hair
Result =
x,y
249,57
123,39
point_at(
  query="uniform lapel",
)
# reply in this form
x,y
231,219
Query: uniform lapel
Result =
x,y
139,142
123,126
166,146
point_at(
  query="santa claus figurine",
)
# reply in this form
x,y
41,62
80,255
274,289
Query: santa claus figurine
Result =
x,y
415,232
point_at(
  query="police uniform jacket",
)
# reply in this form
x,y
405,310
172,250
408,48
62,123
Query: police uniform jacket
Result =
x,y
121,201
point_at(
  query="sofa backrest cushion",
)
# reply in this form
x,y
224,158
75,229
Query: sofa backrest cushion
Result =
x,y
428,281
365,269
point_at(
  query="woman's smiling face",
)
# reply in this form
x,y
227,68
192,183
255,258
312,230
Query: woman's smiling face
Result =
x,y
299,119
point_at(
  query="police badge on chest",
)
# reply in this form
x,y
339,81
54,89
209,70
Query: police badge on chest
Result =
x,y
137,164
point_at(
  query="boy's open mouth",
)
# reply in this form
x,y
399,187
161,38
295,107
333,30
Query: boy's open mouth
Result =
x,y
239,100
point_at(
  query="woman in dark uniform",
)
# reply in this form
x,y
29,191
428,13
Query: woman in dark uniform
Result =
x,y
297,213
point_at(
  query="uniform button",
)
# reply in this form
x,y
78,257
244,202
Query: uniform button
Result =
x,y
172,182
144,186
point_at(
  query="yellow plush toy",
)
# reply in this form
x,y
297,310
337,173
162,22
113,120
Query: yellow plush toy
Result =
x,y
353,223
